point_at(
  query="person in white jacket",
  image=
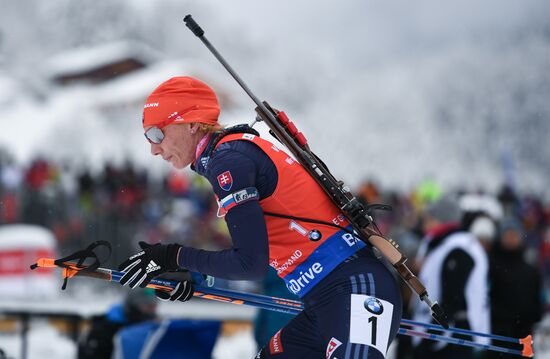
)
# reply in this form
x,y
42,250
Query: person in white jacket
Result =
x,y
454,268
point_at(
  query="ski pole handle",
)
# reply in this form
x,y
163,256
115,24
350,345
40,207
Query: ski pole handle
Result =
x,y
193,26
71,270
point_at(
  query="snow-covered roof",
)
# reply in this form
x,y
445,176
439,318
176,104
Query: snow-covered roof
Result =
x,y
136,85
108,117
82,60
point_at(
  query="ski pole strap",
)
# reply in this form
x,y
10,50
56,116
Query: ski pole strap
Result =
x,y
70,269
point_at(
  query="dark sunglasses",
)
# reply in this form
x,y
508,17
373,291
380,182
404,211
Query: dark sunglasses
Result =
x,y
154,134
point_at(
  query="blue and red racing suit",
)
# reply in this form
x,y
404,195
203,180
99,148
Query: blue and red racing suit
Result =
x,y
352,302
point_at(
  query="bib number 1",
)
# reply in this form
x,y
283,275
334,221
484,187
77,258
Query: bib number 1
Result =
x,y
294,226
370,321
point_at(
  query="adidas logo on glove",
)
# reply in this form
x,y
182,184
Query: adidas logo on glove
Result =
x,y
152,266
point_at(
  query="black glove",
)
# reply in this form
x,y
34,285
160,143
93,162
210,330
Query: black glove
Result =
x,y
183,291
152,261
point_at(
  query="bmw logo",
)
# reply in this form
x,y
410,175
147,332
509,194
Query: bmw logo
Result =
x,y
314,235
374,306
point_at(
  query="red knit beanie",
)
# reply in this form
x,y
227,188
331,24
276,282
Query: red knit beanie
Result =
x,y
181,100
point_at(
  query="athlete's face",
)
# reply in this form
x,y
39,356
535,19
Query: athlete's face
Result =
x,y
178,145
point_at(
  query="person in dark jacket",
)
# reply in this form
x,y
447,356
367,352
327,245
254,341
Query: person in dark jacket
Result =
x,y
516,287
139,306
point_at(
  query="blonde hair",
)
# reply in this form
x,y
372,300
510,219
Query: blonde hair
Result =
x,y
209,128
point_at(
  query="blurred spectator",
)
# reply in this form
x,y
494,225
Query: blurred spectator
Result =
x,y
428,191
86,188
544,258
509,201
484,229
177,183
369,193
10,182
110,179
139,306
38,174
454,269
130,192
35,196
533,221
516,287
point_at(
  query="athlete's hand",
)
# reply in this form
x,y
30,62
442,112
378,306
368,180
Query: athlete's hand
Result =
x,y
152,261
183,291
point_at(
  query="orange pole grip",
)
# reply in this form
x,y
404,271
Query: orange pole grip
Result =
x,y
527,343
46,263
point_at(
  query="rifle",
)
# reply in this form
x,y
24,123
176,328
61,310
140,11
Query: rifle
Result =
x,y
282,128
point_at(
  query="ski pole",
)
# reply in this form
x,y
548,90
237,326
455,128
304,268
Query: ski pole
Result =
x,y
413,323
277,304
294,307
526,352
